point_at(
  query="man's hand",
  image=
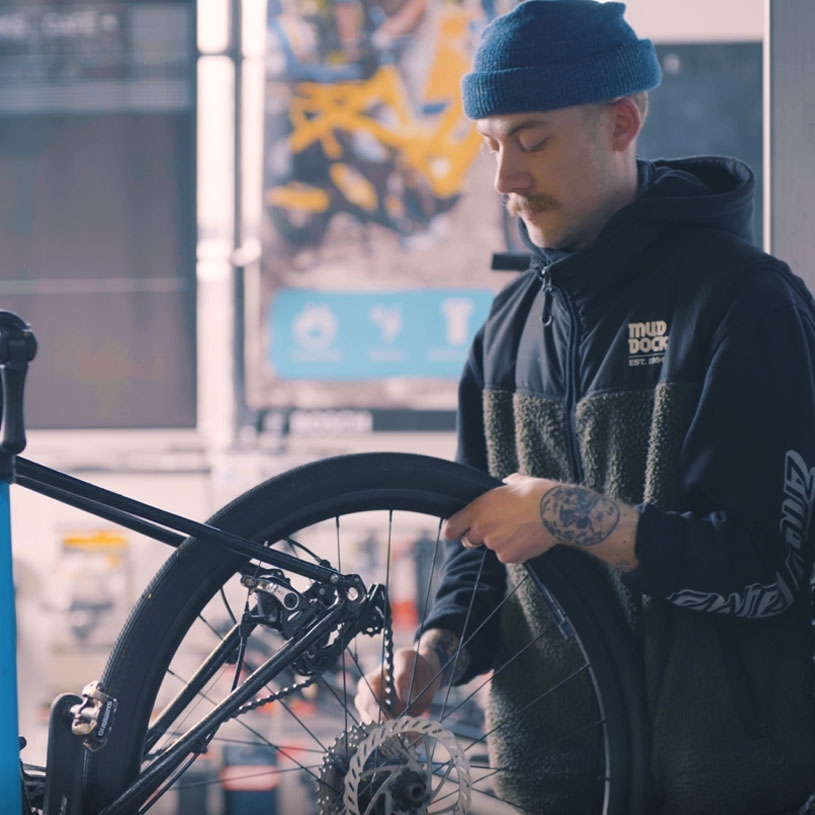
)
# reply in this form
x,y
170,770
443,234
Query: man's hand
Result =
x,y
528,516
370,698
506,519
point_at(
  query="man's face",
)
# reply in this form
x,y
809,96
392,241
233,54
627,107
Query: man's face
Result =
x,y
554,167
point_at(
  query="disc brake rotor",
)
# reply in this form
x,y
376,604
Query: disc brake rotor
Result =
x,y
398,768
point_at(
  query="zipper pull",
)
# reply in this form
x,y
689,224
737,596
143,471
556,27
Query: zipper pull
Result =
x,y
546,314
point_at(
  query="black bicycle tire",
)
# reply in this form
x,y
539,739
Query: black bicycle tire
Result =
x,y
586,580
297,498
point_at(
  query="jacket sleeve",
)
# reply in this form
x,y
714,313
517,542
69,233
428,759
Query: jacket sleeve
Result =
x,y
473,581
740,545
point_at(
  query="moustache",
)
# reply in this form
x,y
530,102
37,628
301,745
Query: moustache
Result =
x,y
518,204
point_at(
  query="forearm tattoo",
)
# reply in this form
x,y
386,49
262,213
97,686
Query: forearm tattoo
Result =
x,y
445,645
577,516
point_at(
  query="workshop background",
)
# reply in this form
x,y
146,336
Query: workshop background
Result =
x,y
229,274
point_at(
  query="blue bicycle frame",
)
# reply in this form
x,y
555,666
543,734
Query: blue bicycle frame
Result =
x,y
17,349
9,741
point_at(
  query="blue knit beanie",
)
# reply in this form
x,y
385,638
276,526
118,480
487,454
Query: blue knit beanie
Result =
x,y
549,54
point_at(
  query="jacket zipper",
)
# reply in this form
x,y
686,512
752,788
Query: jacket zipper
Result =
x,y
549,289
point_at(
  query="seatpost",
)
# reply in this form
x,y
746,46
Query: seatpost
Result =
x,y
17,349
18,346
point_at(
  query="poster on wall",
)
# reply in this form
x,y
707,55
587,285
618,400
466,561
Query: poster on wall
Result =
x,y
380,217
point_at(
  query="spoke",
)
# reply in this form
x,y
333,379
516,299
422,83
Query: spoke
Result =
x,y
280,748
522,770
499,671
495,797
367,683
189,785
460,640
342,702
489,794
211,627
443,778
302,724
535,701
293,543
469,639
411,698
380,769
200,697
374,801
228,607
259,735
463,629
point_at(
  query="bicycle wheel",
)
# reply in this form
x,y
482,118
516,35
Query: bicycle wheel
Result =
x,y
547,729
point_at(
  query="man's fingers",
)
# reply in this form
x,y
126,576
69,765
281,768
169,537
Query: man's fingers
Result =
x,y
456,526
368,700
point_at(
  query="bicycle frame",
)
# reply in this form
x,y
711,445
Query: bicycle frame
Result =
x,y
347,607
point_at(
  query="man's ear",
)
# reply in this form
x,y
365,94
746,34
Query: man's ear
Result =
x,y
626,123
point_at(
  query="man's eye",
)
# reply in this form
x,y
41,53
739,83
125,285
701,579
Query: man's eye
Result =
x,y
534,146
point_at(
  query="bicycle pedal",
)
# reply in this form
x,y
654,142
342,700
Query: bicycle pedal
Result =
x,y
93,716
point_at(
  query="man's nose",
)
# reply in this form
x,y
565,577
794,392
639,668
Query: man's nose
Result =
x,y
511,174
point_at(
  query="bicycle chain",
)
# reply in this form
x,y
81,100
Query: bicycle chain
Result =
x,y
274,697
390,686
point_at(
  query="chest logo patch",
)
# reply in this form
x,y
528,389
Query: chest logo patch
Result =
x,y
647,342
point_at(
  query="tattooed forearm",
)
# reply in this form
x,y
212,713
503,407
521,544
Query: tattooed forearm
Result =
x,y
445,645
577,516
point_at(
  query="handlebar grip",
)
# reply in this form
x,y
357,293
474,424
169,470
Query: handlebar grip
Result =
x,y
12,437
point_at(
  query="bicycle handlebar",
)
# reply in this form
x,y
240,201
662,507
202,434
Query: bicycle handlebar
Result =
x,y
18,346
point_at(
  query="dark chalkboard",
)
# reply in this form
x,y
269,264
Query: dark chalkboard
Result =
x,y
709,103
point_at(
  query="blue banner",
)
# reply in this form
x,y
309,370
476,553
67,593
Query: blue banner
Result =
x,y
9,736
346,336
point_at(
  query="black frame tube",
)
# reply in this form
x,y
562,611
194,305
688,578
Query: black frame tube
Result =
x,y
103,511
121,508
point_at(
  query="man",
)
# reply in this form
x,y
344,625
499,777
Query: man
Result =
x,y
651,378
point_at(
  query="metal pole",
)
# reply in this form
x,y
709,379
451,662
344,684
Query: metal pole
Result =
x,y
238,268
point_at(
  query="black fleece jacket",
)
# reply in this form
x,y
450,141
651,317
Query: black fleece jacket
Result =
x,y
669,364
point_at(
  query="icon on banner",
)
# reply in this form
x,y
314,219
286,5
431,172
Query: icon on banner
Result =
x,y
315,327
457,312
388,319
